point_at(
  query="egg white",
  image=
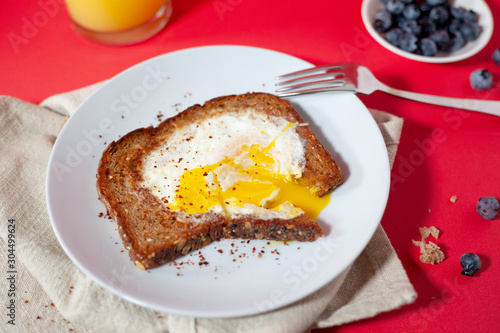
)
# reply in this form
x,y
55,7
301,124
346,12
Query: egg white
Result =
x,y
210,141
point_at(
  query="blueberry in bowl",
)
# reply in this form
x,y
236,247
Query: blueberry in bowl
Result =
x,y
428,47
459,28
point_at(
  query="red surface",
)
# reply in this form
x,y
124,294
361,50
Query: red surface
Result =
x,y
443,152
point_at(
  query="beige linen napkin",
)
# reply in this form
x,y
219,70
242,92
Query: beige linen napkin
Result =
x,y
53,295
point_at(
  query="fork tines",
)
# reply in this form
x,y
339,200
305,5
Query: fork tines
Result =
x,y
316,79
323,68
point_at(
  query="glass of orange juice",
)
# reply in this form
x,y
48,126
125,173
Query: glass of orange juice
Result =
x,y
119,22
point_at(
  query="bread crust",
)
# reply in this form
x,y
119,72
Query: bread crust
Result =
x,y
154,235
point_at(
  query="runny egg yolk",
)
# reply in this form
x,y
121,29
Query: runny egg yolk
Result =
x,y
251,181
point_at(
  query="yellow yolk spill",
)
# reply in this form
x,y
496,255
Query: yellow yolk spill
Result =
x,y
197,193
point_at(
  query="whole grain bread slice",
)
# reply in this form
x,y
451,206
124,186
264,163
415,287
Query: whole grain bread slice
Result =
x,y
154,235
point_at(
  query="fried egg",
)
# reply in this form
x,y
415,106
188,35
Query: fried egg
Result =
x,y
241,164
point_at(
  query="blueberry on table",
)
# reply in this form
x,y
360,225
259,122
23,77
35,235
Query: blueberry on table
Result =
x,y
470,263
383,20
496,56
481,79
488,207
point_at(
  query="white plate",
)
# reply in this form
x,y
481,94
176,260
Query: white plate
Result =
x,y
229,285
370,7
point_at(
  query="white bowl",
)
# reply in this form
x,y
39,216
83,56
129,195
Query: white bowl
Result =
x,y
370,7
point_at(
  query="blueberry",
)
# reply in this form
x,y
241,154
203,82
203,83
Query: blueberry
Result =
x,y
439,14
442,39
395,7
428,27
408,42
411,12
496,56
428,47
383,20
470,30
425,8
393,36
411,26
435,2
481,79
470,16
454,26
488,207
398,19
457,12
456,42
470,263
410,21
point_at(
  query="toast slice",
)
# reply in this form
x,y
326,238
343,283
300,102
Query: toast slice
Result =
x,y
194,178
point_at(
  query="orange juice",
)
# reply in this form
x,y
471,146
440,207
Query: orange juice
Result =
x,y
119,22
113,15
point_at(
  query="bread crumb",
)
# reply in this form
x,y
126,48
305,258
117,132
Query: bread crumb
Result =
x,y
453,199
426,232
430,253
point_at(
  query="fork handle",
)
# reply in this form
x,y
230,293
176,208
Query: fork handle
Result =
x,y
491,107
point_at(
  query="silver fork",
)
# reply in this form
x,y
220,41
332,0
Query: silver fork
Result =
x,y
350,77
